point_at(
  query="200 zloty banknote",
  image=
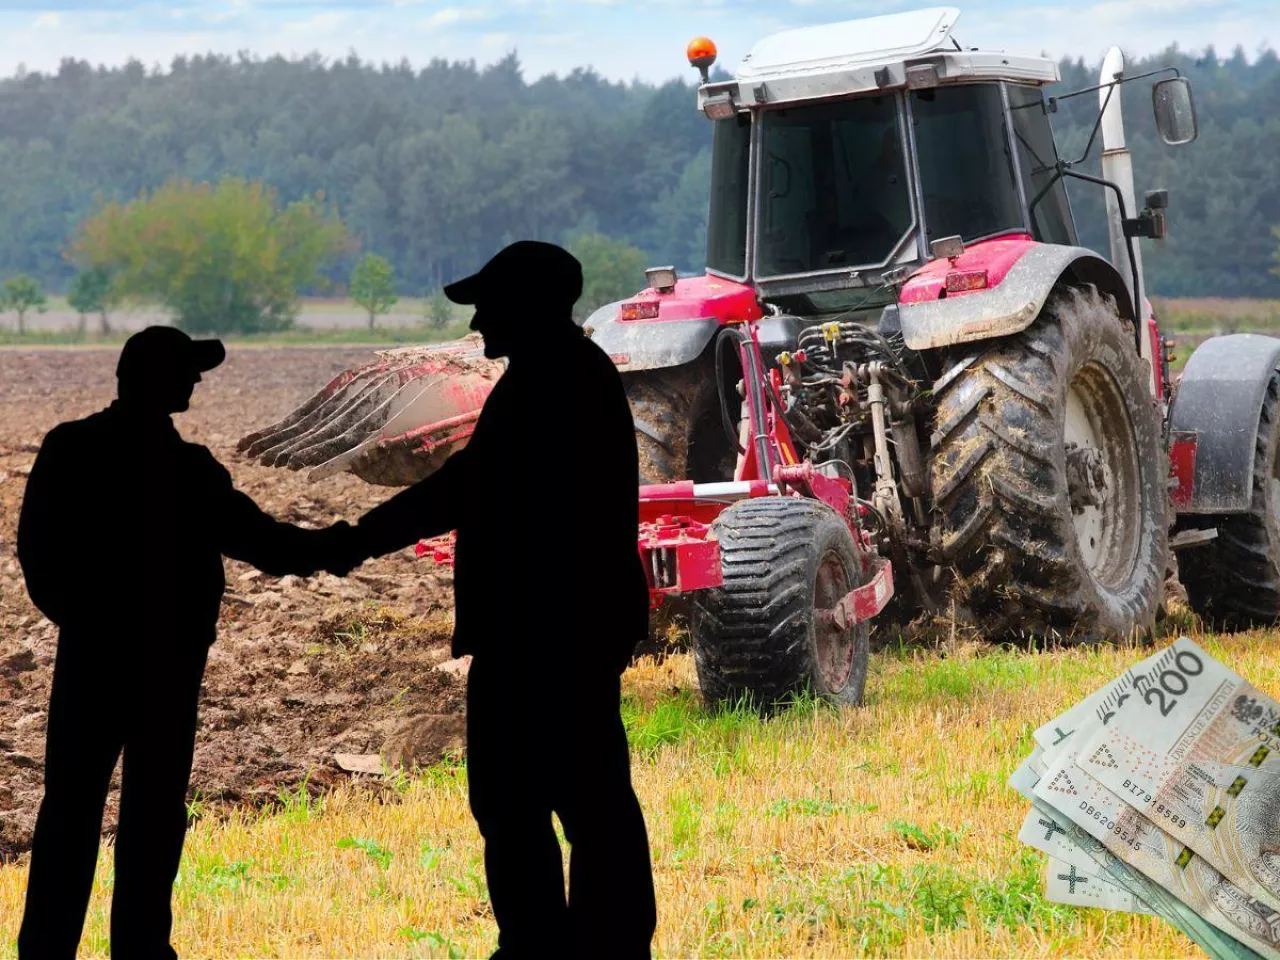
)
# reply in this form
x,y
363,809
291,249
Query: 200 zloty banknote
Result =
x,y
1139,843
1198,752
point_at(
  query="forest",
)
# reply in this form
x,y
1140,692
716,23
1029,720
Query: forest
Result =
x,y
436,167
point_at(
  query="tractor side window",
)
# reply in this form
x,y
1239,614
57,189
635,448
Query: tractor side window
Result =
x,y
1051,218
727,220
966,171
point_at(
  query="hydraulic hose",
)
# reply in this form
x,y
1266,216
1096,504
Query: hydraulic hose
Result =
x,y
730,425
753,383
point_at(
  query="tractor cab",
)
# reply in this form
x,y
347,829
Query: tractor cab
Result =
x,y
842,153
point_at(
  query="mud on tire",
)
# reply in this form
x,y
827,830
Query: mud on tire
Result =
x,y
759,636
676,411
1233,581
1048,477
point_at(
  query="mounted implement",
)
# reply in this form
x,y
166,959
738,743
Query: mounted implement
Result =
x,y
392,421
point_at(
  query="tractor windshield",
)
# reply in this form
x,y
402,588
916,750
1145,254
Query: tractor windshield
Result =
x,y
834,187
967,175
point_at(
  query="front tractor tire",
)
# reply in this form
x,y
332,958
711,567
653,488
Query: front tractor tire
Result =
x,y
1233,580
761,636
1048,478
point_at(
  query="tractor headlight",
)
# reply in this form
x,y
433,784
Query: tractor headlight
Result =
x,y
662,279
923,75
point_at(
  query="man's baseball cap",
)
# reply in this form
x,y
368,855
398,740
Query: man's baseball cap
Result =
x,y
167,348
530,268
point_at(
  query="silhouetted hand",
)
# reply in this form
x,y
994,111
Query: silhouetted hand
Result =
x,y
340,550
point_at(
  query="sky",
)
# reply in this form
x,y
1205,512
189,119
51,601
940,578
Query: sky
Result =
x,y
621,39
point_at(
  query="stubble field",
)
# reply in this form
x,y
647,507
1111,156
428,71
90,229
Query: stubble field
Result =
x,y
882,830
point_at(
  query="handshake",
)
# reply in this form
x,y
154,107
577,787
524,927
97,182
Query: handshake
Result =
x,y
338,549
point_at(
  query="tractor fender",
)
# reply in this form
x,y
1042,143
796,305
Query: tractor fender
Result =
x,y
1014,302
640,345
670,343
1216,411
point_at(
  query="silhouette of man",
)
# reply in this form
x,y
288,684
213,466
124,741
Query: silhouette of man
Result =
x,y
551,600
121,538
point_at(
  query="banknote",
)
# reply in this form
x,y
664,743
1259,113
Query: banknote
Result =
x,y
1097,709
1140,844
1025,775
1211,939
1081,885
1073,876
1199,754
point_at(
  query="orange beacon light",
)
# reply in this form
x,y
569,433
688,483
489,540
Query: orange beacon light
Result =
x,y
702,54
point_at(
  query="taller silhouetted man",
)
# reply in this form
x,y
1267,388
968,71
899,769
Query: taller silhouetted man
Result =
x,y
121,538
551,600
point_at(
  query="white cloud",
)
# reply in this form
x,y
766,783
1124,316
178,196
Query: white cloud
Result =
x,y
557,39
1139,27
451,16
1126,10
320,24
47,21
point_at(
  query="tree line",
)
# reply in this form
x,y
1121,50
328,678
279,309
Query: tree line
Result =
x,y
435,168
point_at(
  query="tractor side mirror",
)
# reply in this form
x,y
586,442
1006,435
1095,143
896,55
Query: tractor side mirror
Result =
x,y
1175,110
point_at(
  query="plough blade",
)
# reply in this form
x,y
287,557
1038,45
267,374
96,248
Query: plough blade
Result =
x,y
392,421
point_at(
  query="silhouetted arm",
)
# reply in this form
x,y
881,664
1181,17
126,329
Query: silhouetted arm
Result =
x,y
427,509
250,534
44,534
271,545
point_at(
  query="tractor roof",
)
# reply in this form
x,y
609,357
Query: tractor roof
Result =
x,y
877,53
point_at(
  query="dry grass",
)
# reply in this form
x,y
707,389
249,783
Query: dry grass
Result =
x,y
884,830
1217,314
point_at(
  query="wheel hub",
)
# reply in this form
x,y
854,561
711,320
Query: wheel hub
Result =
x,y
1088,478
1102,475
836,644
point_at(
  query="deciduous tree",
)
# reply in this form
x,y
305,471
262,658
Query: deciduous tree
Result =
x,y
21,294
90,292
373,286
439,310
223,258
611,270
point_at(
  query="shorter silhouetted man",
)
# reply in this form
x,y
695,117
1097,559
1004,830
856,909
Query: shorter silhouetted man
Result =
x,y
551,600
121,538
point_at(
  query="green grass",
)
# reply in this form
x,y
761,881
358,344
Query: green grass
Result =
x,y
378,854
299,335
311,327
405,306
1215,315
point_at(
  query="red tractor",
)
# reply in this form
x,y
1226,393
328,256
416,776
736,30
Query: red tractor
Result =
x,y
899,367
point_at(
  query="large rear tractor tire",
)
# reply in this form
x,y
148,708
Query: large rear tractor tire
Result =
x,y
1233,581
761,636
679,430
1048,478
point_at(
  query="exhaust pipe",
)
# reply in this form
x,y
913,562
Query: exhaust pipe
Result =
x,y
1117,166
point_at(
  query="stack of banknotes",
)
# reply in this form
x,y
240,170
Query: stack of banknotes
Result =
x,y
1160,794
